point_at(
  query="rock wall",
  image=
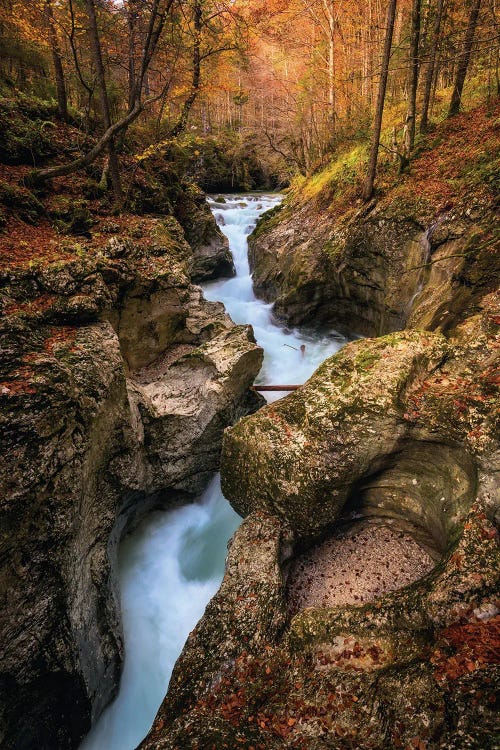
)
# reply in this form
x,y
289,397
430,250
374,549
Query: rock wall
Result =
x,y
368,274
211,255
421,253
118,381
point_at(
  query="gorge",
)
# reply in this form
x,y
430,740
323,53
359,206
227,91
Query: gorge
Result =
x,y
249,375
173,564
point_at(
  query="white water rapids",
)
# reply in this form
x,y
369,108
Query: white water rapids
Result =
x,y
172,564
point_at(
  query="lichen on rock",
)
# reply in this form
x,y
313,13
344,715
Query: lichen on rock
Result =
x,y
117,382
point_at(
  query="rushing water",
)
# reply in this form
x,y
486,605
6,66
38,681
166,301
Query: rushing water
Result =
x,y
173,563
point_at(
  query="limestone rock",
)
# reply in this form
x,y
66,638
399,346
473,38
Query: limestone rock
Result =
x,y
399,430
367,273
104,353
212,257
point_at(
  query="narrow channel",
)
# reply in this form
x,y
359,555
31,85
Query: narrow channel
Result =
x,y
173,563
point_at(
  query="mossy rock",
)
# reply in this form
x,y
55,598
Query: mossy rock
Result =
x,y
21,202
71,216
24,137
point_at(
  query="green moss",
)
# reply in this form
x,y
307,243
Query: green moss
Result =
x,y
342,172
268,221
71,216
21,202
332,249
25,130
366,359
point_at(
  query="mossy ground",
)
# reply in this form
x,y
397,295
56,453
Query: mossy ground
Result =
x,y
458,160
40,224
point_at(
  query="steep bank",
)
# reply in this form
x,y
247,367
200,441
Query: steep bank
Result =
x,y
325,257
399,434
117,382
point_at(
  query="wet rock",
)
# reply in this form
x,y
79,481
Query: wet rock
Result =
x,y
212,257
395,432
117,382
368,271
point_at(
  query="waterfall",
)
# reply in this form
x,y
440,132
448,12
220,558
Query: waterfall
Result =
x,y
173,562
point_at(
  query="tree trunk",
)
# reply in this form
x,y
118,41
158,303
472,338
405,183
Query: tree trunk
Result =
x,y
114,168
413,77
372,163
62,99
157,21
424,121
195,82
132,18
463,62
330,15
42,175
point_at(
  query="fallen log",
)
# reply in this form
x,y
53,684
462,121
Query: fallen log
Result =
x,y
261,388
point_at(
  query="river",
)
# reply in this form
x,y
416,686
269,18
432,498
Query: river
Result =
x,y
173,563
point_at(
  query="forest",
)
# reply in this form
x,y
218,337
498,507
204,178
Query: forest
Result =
x,y
277,88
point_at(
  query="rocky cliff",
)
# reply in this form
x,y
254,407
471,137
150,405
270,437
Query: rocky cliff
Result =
x,y
406,258
394,439
117,382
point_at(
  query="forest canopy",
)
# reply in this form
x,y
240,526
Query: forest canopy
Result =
x,y
277,86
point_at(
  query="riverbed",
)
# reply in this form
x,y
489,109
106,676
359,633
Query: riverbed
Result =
x,y
173,562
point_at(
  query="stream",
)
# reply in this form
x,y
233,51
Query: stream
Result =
x,y
173,562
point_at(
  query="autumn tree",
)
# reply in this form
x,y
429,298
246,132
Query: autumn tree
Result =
x,y
431,66
373,158
414,67
112,164
464,59
62,100
157,19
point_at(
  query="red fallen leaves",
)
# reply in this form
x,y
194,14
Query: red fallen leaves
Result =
x,y
38,305
417,744
490,533
356,652
467,648
60,335
457,559
23,243
237,701
461,394
21,382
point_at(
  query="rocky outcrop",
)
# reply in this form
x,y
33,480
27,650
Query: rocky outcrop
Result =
x,y
421,254
118,381
401,431
368,274
212,258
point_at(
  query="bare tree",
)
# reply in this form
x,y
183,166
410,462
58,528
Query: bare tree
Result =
x,y
372,163
463,62
429,76
62,100
413,78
